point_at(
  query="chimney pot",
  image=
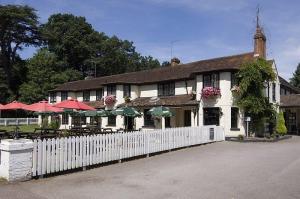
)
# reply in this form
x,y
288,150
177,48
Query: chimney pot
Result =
x,y
175,61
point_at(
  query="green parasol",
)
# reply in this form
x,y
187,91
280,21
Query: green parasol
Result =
x,y
126,111
161,111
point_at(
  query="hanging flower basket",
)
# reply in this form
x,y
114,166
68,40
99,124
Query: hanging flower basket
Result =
x,y
210,92
110,100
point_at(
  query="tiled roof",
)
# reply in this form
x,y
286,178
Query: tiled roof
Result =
x,y
96,104
288,85
176,100
290,100
178,72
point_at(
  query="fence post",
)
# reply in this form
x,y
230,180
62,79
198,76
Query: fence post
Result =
x,y
148,143
27,121
120,145
5,121
16,159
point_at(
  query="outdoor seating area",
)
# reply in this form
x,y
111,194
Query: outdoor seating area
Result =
x,y
77,110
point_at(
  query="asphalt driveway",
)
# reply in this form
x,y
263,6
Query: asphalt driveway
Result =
x,y
219,170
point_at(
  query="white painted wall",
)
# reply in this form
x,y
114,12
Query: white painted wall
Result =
x,y
148,90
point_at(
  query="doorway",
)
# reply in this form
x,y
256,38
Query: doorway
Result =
x,y
129,122
187,118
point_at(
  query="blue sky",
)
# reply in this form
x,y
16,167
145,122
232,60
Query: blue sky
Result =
x,y
199,29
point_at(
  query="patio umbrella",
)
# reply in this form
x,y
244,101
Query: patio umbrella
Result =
x,y
127,112
43,108
161,112
15,105
99,113
73,104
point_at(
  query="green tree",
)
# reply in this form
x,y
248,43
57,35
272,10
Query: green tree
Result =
x,y
280,127
295,80
71,38
18,29
252,78
44,73
75,41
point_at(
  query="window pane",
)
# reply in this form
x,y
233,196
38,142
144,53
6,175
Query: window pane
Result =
x,y
111,89
148,120
211,116
64,95
86,96
234,117
65,118
166,89
99,94
274,92
126,91
206,81
111,120
233,80
215,80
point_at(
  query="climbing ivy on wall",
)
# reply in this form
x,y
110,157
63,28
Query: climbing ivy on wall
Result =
x,y
252,79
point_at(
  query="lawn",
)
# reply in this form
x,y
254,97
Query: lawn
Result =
x,y
24,128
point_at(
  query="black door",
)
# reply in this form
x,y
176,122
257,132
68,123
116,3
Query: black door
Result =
x,y
187,118
128,123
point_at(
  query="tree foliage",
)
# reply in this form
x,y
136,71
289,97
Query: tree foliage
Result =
x,y
71,50
280,127
252,78
18,29
44,73
295,80
86,50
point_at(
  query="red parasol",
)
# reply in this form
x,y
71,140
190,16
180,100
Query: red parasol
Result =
x,y
73,104
43,107
15,105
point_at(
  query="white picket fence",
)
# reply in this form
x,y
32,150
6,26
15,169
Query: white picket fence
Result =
x,y
61,154
19,121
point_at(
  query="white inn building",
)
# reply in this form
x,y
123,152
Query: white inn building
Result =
x,y
178,87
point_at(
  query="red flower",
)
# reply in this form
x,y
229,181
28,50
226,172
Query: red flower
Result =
x,y
110,100
208,92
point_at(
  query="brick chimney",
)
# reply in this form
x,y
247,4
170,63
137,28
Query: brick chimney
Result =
x,y
259,41
175,61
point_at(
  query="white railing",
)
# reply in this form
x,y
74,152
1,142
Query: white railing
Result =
x,y
61,154
19,121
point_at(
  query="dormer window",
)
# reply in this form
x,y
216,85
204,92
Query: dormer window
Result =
x,y
211,80
166,89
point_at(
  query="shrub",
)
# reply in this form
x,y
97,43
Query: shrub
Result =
x,y
280,127
240,137
54,124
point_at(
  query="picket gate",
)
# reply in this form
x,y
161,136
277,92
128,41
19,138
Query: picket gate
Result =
x,y
61,154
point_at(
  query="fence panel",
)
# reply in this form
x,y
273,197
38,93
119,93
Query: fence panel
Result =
x,y
18,121
61,154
